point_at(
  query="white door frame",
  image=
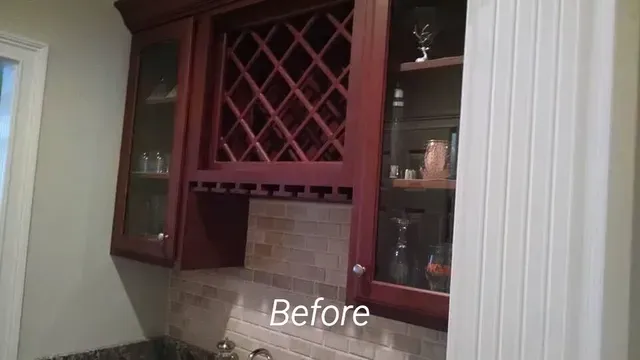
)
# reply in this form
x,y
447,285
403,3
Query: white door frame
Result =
x,y
31,57
546,164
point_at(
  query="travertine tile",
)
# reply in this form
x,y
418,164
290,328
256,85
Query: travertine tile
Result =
x,y
300,346
303,286
327,291
362,348
295,251
283,282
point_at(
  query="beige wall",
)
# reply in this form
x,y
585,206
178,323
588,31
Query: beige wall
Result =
x,y
296,251
76,296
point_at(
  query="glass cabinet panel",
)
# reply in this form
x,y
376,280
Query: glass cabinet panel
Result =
x,y
152,140
420,141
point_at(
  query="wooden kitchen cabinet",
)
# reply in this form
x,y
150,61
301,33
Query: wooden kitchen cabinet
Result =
x,y
405,178
155,122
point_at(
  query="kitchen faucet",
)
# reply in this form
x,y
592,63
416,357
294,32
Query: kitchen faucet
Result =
x,y
263,352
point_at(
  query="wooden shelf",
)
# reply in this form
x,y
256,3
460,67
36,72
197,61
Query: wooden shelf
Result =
x,y
424,184
150,175
430,64
161,101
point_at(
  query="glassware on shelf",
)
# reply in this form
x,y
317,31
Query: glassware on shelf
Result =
x,y
397,112
425,37
159,92
144,163
436,160
399,265
160,163
453,154
438,269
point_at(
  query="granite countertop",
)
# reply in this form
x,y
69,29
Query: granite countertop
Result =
x,y
165,348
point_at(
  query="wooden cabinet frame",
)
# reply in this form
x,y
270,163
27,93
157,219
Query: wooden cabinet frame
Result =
x,y
157,252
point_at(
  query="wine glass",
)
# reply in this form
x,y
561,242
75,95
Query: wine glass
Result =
x,y
438,269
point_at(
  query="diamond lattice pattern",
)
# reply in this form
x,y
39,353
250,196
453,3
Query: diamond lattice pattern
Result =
x,y
285,89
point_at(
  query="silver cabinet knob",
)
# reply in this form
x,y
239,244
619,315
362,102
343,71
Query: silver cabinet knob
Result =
x,y
162,237
358,270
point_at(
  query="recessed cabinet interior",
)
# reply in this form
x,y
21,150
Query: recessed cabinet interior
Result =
x,y
406,182
350,100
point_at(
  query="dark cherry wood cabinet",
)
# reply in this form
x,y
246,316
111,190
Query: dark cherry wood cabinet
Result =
x,y
320,99
149,179
404,187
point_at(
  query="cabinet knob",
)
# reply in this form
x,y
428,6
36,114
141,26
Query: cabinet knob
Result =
x,y
358,270
162,237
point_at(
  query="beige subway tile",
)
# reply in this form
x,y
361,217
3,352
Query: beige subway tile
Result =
x,y
406,343
241,341
433,351
262,277
317,243
339,246
282,281
376,336
255,236
234,311
297,211
227,296
325,260
265,223
262,250
236,272
388,354
303,286
280,252
174,294
423,333
301,256
327,291
321,353
283,224
256,207
336,277
342,294
293,241
304,332
319,212
269,337
186,286
336,341
340,215
300,346
342,356
276,209
388,324
253,222
307,272
345,231
362,348
305,227
328,229
273,237
194,300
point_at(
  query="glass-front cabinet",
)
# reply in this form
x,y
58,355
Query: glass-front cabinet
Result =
x,y
152,142
401,266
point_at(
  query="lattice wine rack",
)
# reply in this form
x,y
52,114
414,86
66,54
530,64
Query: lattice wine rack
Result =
x,y
280,113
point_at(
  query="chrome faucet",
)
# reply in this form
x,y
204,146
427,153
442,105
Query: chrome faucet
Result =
x,y
263,352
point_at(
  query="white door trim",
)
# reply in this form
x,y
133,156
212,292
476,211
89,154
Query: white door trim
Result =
x,y
545,190
31,57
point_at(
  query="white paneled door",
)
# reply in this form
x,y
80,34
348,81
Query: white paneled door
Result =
x,y
22,74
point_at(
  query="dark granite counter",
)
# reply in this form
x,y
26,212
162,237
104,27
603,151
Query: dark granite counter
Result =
x,y
155,349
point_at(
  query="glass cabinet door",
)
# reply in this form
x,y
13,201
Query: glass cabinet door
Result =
x,y
419,145
154,127
152,140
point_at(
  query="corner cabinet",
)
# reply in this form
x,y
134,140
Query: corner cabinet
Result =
x,y
149,180
405,176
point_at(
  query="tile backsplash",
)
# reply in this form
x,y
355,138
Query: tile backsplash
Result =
x,y
295,251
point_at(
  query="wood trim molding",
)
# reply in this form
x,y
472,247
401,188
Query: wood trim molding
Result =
x,y
543,212
32,58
